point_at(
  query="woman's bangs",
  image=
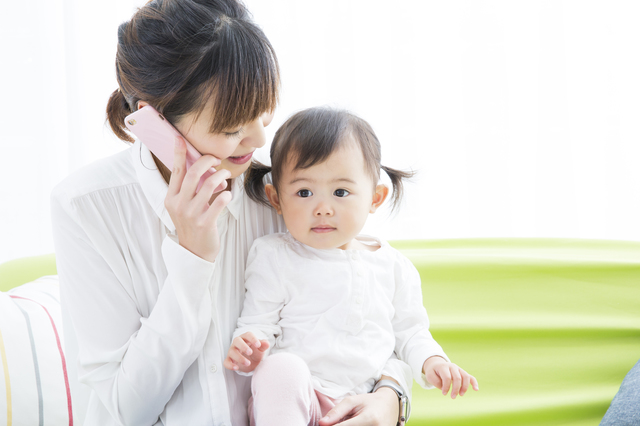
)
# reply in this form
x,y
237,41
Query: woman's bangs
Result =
x,y
248,79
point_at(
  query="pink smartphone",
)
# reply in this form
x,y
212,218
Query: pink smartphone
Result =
x,y
159,136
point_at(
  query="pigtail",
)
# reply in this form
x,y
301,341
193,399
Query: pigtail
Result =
x,y
254,182
397,176
117,110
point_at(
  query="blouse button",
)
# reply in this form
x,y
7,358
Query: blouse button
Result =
x,y
214,368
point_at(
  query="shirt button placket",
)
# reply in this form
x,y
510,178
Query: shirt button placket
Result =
x,y
358,288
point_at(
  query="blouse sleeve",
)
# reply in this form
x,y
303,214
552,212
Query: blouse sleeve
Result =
x,y
414,343
265,294
133,362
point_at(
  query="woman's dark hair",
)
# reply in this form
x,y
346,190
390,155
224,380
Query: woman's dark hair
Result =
x,y
179,54
309,137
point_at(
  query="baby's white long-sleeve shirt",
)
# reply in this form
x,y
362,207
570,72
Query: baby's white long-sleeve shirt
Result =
x,y
344,312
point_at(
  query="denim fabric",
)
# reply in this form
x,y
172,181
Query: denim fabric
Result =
x,y
625,407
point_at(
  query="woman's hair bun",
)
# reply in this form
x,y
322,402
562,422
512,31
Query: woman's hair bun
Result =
x,y
117,109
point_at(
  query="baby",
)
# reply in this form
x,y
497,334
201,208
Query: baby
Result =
x,y
326,309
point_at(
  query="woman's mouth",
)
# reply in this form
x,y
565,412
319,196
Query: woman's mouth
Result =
x,y
241,159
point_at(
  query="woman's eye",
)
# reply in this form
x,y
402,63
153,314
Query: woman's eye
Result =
x,y
233,134
304,193
341,193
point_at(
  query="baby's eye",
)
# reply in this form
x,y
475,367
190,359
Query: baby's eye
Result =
x,y
340,192
304,193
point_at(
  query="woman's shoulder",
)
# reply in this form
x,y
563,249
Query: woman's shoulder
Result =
x,y
104,174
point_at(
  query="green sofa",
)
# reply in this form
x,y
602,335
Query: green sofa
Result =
x,y
549,327
20,271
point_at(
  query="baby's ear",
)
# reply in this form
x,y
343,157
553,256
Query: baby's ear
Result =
x,y
379,196
272,196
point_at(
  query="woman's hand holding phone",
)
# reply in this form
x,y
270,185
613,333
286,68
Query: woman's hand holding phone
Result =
x,y
192,214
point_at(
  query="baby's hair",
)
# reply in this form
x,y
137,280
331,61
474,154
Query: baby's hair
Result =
x,y
309,137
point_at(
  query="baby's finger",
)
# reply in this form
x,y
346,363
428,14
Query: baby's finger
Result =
x,y
474,383
251,339
241,345
445,375
264,345
229,364
239,358
434,379
457,381
466,379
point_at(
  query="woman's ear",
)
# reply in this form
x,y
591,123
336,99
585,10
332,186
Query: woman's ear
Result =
x,y
142,104
272,196
379,196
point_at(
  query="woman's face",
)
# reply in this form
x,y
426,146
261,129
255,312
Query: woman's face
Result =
x,y
234,147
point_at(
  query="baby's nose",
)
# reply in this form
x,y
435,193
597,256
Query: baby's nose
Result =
x,y
323,209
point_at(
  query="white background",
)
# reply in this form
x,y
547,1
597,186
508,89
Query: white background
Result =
x,y
522,117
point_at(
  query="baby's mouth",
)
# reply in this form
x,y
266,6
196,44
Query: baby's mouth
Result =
x,y
322,229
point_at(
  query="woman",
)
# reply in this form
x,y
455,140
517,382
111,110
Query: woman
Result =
x,y
151,272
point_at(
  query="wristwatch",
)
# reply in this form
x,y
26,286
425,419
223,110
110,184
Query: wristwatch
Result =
x,y
405,406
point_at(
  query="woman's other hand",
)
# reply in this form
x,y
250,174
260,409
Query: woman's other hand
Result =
x,y
193,215
381,408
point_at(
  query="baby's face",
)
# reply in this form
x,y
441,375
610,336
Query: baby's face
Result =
x,y
326,205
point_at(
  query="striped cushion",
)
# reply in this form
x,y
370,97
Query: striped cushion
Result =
x,y
34,386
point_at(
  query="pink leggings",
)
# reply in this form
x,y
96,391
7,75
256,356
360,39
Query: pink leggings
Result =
x,y
283,394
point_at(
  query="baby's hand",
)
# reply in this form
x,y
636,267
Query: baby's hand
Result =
x,y
241,356
443,374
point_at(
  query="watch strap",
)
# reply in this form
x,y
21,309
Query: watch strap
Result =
x,y
403,400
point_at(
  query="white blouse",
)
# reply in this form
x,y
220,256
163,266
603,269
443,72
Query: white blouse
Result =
x,y
149,322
